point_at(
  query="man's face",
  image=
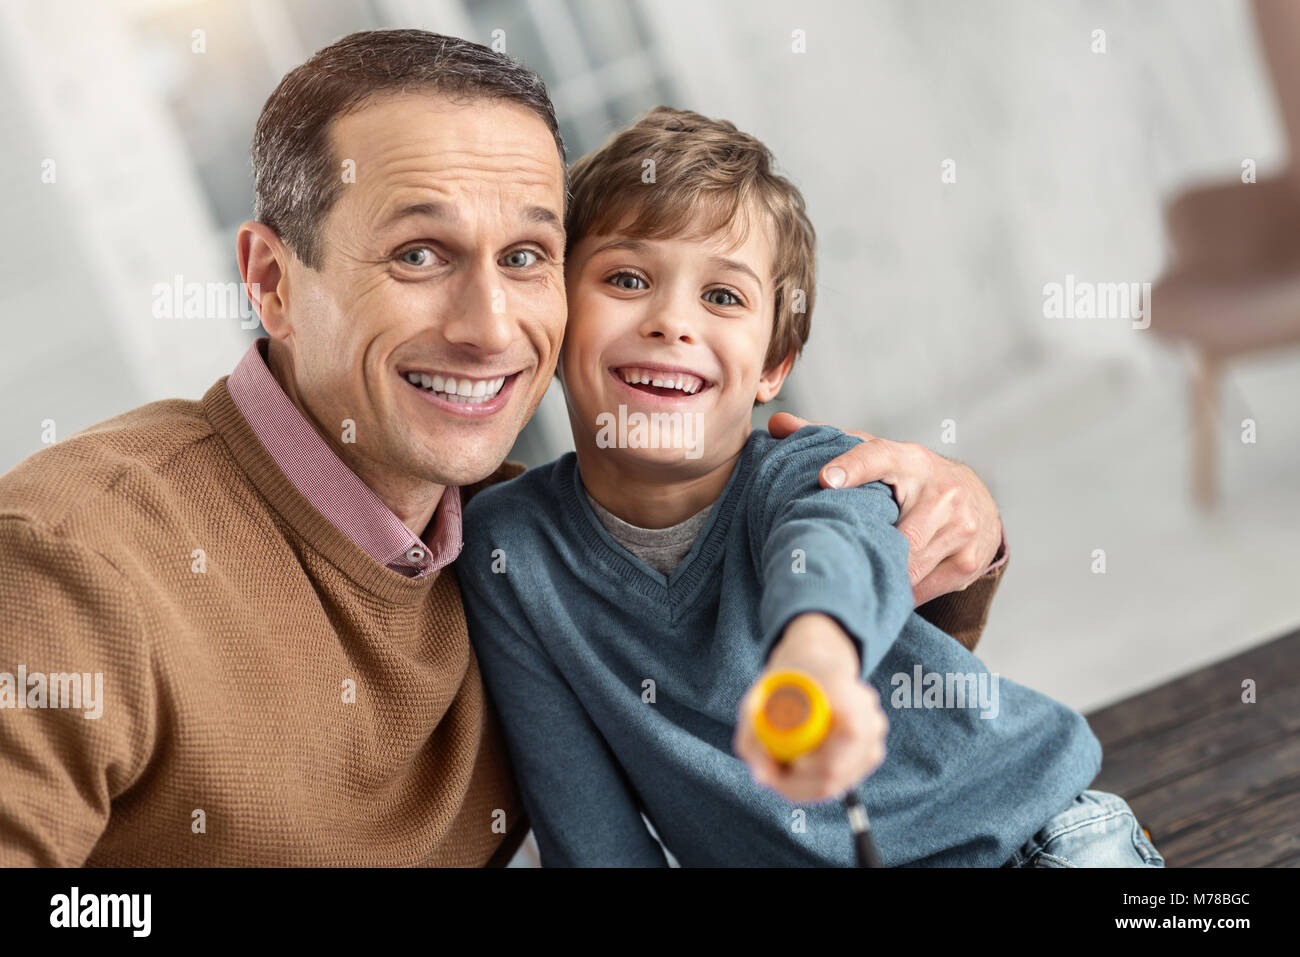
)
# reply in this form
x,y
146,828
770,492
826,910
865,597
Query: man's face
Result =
x,y
435,318
693,315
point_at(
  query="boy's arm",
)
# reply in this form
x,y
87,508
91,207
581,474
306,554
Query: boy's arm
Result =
x,y
583,810
829,551
836,594
958,541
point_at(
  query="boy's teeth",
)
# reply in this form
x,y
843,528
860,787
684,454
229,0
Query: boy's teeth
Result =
x,y
683,382
467,391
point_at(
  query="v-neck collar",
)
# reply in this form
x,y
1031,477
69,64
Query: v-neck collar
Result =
x,y
678,590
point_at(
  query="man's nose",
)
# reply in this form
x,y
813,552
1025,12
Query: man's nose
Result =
x,y
479,316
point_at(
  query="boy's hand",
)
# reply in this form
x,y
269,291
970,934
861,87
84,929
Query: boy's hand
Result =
x,y
947,515
855,744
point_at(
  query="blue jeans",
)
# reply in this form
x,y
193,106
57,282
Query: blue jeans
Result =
x,y
1098,829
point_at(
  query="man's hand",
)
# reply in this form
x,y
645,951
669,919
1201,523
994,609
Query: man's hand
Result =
x,y
947,515
855,744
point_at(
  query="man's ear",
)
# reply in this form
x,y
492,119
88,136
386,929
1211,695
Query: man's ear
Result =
x,y
769,384
263,265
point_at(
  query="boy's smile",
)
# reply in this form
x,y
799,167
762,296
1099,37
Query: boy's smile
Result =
x,y
664,381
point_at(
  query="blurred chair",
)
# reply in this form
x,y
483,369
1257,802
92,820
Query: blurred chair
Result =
x,y
1232,289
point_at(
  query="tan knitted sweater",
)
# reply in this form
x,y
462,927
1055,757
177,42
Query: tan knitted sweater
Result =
x,y
271,695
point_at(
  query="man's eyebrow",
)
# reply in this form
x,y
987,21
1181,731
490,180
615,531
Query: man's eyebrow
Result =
x,y
432,210
544,216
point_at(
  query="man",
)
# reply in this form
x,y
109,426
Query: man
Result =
x,y
229,629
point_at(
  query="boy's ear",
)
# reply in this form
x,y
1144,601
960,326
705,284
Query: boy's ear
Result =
x,y
769,384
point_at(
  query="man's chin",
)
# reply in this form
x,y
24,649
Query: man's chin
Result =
x,y
465,464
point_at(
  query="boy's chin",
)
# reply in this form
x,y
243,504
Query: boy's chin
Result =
x,y
653,459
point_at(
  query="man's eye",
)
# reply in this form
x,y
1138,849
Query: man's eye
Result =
x,y
519,258
728,298
417,256
629,281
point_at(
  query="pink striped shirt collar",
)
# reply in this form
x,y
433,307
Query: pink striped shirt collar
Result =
x,y
333,489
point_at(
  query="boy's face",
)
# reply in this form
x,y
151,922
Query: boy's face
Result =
x,y
693,314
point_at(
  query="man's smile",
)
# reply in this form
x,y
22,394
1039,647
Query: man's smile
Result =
x,y
462,394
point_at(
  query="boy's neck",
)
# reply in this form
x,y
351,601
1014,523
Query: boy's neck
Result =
x,y
651,498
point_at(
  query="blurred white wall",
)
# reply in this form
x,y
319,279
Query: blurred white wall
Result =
x,y
101,204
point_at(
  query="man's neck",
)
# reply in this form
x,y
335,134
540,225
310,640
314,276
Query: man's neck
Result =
x,y
413,501
649,497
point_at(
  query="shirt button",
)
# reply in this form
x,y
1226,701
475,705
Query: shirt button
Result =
x,y
416,554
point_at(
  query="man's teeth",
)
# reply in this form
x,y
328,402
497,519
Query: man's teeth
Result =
x,y
467,391
682,381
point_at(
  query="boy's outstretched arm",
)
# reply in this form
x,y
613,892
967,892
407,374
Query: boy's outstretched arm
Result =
x,y
835,598
583,810
955,536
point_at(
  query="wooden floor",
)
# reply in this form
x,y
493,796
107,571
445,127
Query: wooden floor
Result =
x,y
1215,781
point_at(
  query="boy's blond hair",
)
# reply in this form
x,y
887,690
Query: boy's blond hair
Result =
x,y
701,168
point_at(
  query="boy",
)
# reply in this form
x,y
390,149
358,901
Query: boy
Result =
x,y
625,600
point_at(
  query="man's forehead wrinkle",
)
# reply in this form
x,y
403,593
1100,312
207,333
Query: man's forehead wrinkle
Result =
x,y
433,152
422,157
428,175
420,180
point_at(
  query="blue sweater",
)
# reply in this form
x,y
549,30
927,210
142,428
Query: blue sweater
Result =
x,y
618,687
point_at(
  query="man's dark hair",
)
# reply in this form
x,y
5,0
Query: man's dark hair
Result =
x,y
296,177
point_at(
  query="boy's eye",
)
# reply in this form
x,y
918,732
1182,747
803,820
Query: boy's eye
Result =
x,y
519,258
629,281
722,297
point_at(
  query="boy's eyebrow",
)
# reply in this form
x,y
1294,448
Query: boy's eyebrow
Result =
x,y
631,245
721,262
735,265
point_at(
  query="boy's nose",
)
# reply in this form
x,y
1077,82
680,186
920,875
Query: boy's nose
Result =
x,y
668,324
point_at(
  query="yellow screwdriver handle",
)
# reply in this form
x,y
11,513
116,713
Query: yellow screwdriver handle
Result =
x,y
793,714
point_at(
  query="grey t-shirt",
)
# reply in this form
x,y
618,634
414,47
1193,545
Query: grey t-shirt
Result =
x,y
661,548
